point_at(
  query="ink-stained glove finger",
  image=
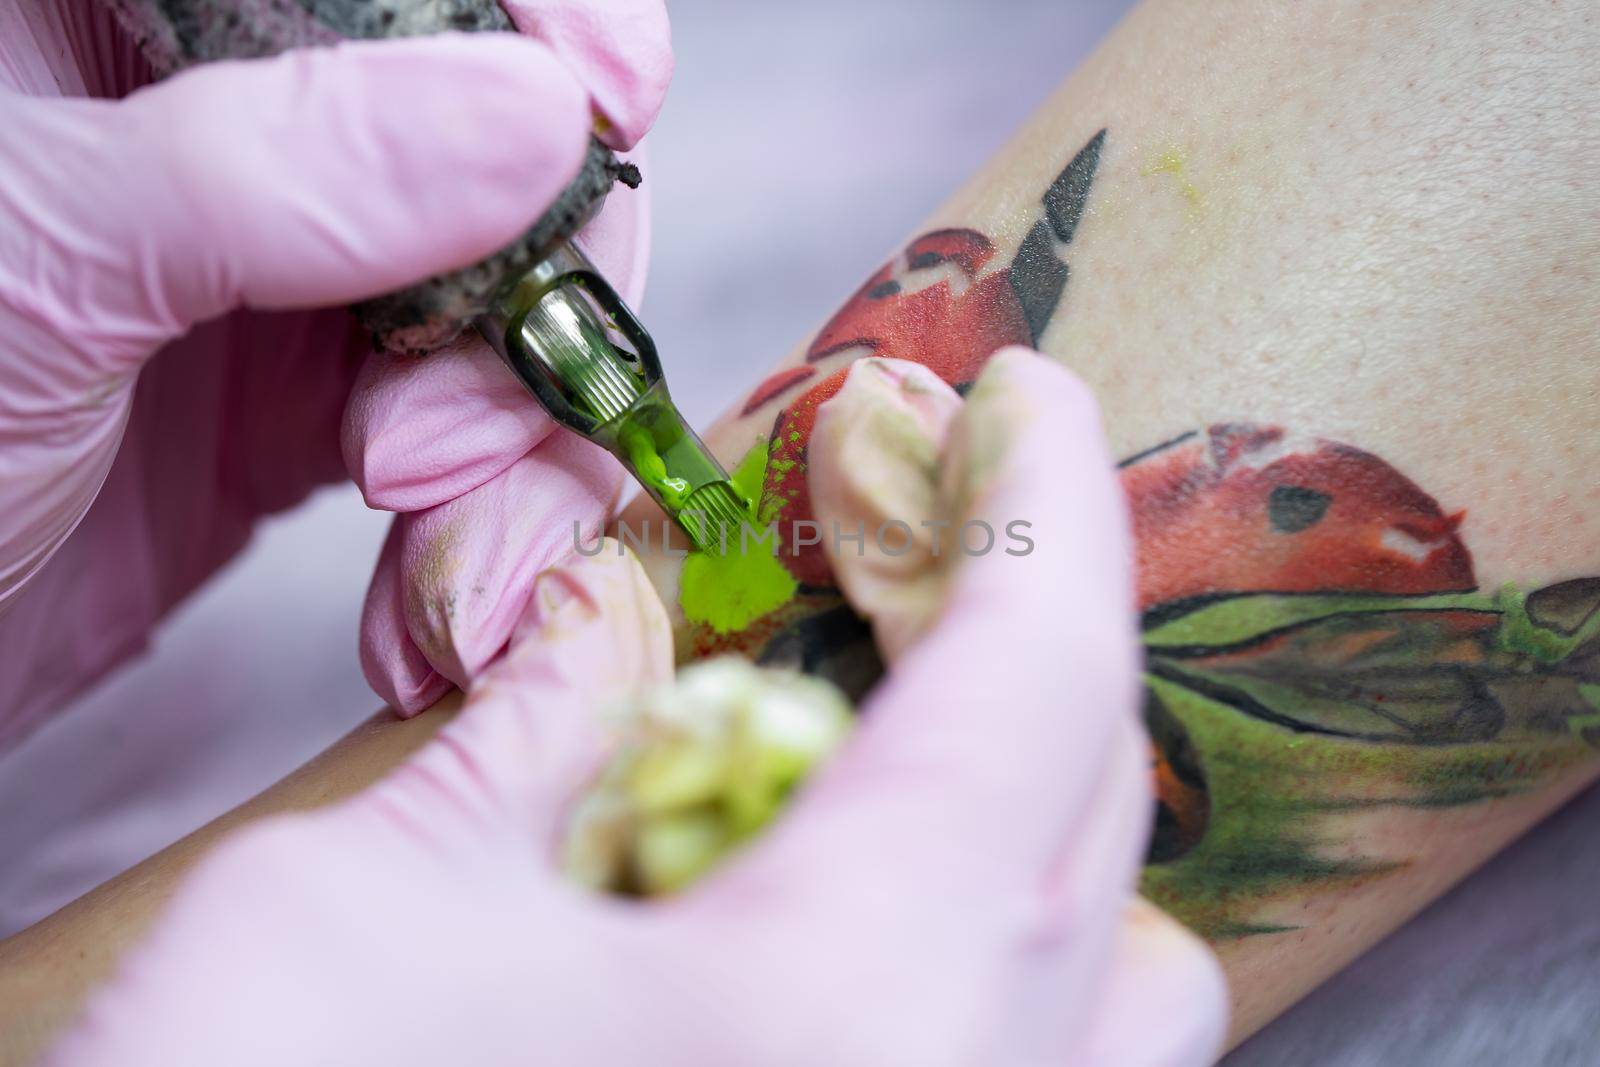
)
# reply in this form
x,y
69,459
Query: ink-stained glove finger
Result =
x,y
392,663
621,50
1028,674
459,575
592,631
874,461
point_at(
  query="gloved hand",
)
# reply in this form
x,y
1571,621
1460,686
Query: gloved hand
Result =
x,y
953,888
140,228
485,486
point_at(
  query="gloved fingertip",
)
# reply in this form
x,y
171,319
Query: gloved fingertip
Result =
x,y
413,686
391,662
593,631
543,558
874,457
419,432
469,565
1018,370
901,385
619,50
599,606
1028,457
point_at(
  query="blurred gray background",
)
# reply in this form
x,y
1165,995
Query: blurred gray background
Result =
x,y
800,144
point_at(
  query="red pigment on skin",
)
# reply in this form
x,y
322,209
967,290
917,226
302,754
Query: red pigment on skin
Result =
x,y
1203,519
704,641
895,315
775,385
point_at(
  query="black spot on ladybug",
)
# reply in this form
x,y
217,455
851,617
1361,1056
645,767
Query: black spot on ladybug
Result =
x,y
925,259
1292,508
883,289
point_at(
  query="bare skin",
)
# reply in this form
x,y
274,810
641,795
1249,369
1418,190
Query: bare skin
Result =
x,y
1368,229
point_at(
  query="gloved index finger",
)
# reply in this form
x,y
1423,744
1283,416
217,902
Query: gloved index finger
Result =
x,y
986,740
621,50
419,432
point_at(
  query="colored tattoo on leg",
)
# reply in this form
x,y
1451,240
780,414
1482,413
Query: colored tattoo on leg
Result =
x,y
1316,640
1316,644
943,302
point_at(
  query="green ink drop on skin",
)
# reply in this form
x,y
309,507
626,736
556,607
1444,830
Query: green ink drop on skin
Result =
x,y
728,593
731,590
749,477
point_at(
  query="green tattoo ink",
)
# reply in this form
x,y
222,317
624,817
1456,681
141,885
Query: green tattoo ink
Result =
x,y
728,590
650,468
1354,703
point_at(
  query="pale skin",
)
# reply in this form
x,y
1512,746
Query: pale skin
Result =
x,y
1372,223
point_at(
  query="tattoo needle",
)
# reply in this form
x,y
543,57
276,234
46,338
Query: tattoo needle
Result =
x,y
570,339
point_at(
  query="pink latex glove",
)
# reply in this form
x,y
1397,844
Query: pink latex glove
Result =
x,y
897,444
138,228
487,488
953,888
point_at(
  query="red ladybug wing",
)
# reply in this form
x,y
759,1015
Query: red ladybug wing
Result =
x,y
906,304
786,494
1241,508
951,326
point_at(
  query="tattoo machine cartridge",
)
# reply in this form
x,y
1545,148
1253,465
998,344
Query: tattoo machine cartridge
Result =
x,y
568,336
557,323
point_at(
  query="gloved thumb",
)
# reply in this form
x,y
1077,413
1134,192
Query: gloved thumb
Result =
x,y
876,451
1047,693
317,177
594,633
